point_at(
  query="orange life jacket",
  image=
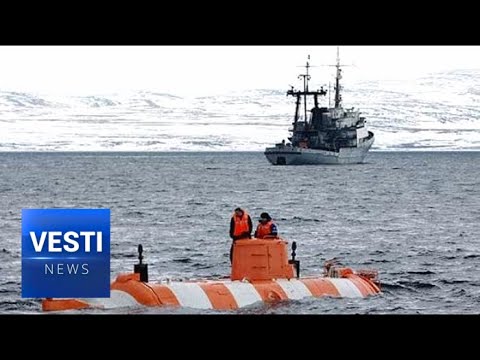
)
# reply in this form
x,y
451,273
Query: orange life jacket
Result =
x,y
264,229
241,224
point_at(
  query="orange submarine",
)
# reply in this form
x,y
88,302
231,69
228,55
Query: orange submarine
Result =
x,y
261,272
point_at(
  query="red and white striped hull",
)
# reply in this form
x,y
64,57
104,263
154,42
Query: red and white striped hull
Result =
x,y
128,291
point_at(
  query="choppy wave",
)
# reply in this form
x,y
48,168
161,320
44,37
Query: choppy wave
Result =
x,y
417,225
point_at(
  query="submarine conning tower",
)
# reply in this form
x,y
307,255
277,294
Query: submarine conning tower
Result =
x,y
263,259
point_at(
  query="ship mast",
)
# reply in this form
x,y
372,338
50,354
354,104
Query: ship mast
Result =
x,y
338,97
329,97
298,95
306,77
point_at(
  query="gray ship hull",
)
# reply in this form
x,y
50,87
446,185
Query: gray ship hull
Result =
x,y
291,155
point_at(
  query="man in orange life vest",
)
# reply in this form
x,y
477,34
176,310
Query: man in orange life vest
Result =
x,y
267,228
240,227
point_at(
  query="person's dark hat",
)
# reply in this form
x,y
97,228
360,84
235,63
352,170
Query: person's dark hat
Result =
x,y
264,216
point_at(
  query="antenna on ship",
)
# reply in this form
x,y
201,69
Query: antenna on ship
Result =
x,y
329,92
338,97
306,77
338,77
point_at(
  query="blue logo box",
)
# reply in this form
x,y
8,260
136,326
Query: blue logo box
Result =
x,y
65,253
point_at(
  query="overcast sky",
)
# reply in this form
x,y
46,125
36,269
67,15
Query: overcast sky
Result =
x,y
198,70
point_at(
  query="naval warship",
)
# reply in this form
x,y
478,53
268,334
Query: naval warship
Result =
x,y
329,135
